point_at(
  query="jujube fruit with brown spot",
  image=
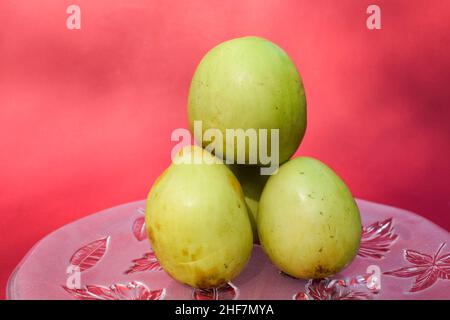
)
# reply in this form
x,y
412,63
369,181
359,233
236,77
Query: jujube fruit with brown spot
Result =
x,y
197,220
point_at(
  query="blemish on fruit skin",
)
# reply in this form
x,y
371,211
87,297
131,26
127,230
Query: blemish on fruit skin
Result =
x,y
211,282
208,279
184,252
196,254
151,236
235,184
158,226
322,271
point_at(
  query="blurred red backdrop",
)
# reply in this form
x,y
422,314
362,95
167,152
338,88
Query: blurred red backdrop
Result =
x,y
86,115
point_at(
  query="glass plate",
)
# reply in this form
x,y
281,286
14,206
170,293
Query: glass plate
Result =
x,y
107,256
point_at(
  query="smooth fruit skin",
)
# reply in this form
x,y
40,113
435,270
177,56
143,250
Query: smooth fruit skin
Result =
x,y
248,83
197,221
252,183
308,222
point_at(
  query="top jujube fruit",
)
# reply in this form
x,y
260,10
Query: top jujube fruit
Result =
x,y
249,83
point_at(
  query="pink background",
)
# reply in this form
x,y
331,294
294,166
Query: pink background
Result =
x,y
86,115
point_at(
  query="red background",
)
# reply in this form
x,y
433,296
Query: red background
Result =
x,y
86,115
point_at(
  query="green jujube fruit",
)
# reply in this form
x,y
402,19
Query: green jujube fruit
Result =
x,y
308,222
197,220
249,83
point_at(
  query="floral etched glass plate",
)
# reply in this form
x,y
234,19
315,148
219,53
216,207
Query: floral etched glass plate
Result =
x,y
107,256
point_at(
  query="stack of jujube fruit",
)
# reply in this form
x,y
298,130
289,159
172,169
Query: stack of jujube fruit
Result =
x,y
204,214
